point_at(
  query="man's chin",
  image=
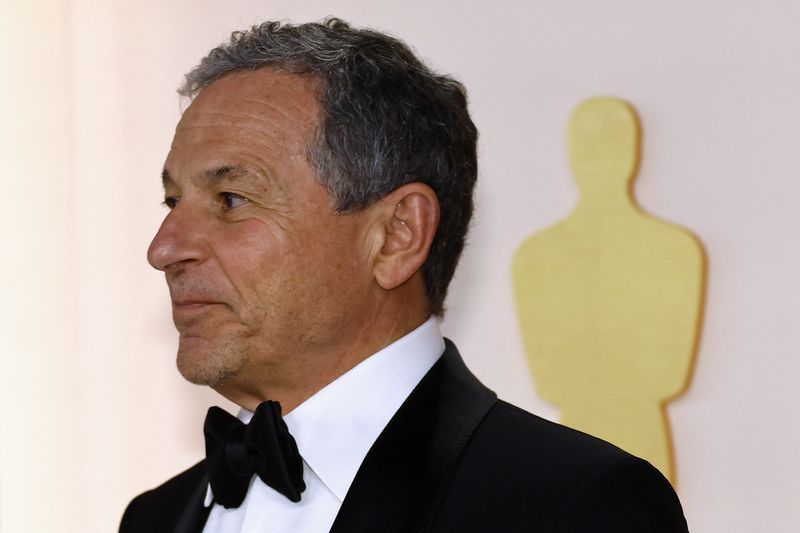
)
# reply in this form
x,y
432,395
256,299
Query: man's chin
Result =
x,y
209,363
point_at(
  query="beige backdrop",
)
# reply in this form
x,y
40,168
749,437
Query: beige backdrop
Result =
x,y
93,410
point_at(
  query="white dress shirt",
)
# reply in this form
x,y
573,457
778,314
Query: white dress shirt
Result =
x,y
334,430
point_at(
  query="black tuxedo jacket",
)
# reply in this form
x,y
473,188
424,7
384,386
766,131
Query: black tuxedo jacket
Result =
x,y
454,458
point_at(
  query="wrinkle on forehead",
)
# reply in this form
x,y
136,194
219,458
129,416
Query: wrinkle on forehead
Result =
x,y
266,105
254,96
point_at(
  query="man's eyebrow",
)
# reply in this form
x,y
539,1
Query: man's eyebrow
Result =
x,y
224,172
166,179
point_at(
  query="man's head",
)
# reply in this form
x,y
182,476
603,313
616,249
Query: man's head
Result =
x,y
321,178
386,120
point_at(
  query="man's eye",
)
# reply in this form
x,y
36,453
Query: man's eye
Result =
x,y
231,200
170,201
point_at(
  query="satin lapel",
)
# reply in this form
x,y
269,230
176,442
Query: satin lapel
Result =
x,y
405,474
194,515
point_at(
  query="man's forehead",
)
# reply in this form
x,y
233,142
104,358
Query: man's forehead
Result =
x,y
265,117
266,93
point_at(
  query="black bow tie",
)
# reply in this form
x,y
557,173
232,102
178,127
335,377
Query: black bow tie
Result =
x,y
235,451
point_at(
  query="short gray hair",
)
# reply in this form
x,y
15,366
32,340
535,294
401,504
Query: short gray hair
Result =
x,y
387,120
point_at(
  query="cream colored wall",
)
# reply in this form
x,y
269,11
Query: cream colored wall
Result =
x,y
39,445
93,410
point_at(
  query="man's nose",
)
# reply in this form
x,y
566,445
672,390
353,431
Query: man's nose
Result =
x,y
178,242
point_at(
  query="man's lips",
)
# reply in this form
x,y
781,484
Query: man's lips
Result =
x,y
189,308
192,303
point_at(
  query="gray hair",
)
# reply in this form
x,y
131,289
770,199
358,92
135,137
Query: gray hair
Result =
x,y
387,120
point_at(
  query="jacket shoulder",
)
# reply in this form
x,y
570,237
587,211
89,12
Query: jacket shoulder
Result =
x,y
521,471
160,509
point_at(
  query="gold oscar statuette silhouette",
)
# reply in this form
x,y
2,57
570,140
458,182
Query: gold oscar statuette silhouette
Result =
x,y
610,299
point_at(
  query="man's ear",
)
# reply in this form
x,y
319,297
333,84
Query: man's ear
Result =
x,y
407,222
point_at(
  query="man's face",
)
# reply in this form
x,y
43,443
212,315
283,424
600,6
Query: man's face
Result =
x,y
260,268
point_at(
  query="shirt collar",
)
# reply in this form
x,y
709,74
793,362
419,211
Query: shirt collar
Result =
x,y
335,428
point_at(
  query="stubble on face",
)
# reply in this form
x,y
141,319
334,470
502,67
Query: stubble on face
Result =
x,y
214,344
212,364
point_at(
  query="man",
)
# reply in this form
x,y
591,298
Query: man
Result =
x,y
320,188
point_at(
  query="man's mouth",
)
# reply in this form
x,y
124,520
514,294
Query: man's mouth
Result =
x,y
188,309
192,303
